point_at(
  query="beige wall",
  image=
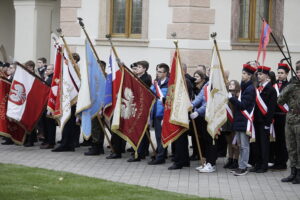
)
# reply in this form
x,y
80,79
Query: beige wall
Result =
x,y
7,27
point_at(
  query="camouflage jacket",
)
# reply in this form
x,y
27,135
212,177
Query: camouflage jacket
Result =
x,y
290,96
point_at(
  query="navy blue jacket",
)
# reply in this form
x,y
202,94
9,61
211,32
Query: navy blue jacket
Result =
x,y
248,96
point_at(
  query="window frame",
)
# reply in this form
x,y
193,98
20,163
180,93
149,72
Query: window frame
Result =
x,y
252,19
276,13
128,22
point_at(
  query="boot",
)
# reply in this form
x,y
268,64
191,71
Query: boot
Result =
x,y
291,177
234,164
228,163
297,178
94,151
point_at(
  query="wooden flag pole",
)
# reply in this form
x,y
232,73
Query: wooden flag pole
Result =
x,y
151,143
69,53
198,143
91,44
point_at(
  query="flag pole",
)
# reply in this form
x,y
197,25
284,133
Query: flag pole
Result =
x,y
108,36
93,48
105,133
213,36
193,121
59,31
288,60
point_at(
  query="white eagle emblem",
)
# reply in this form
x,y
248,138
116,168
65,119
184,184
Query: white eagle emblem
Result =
x,y
17,93
128,107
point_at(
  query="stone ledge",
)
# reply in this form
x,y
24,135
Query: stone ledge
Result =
x,y
70,29
123,42
68,14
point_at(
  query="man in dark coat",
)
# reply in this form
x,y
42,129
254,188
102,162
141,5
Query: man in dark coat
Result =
x,y
266,101
243,106
280,151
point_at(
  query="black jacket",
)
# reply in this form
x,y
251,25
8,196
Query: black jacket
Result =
x,y
247,102
269,96
146,78
49,79
284,84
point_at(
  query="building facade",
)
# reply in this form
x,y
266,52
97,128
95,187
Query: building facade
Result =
x,y
142,29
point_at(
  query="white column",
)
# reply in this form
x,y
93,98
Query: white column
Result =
x,y
32,29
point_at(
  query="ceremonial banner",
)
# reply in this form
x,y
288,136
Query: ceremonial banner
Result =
x,y
216,114
177,106
27,99
91,93
132,111
8,128
55,92
264,40
70,88
113,82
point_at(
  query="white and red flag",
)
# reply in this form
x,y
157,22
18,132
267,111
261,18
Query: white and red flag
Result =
x,y
27,98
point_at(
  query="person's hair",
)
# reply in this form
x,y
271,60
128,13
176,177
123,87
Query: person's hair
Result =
x,y
6,64
1,63
44,60
76,57
203,67
144,63
237,85
163,66
201,74
272,77
133,65
30,63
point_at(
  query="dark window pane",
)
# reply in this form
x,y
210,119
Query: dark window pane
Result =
x,y
136,16
244,19
262,10
119,16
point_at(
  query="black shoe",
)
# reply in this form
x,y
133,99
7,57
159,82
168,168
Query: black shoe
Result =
x,y
291,177
194,157
63,149
261,170
132,159
114,156
234,164
240,172
174,166
29,144
86,143
228,163
254,169
156,162
8,141
278,167
94,152
297,178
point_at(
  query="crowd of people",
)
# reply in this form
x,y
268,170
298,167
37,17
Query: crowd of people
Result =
x,y
262,134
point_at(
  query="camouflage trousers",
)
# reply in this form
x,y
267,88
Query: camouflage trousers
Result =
x,y
292,133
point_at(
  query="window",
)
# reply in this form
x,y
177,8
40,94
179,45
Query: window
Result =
x,y
250,20
126,18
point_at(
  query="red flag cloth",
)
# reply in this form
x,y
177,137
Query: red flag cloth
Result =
x,y
27,99
8,128
54,103
175,121
264,40
132,111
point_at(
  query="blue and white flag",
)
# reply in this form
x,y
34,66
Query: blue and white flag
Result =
x,y
92,91
109,86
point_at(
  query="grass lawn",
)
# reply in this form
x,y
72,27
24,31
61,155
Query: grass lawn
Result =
x,y
19,182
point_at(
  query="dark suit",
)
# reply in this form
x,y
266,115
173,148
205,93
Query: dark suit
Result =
x,y
262,125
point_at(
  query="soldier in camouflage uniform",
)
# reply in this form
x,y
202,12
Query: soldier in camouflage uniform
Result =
x,y
290,96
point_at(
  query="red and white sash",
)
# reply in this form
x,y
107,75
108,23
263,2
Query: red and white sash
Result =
x,y
229,113
285,107
158,90
260,103
250,118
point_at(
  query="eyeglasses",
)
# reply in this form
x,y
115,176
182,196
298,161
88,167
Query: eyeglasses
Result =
x,y
160,72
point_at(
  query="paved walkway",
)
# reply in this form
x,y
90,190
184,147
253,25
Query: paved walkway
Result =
x,y
187,180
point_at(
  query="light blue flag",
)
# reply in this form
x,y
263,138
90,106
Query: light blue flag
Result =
x,y
97,84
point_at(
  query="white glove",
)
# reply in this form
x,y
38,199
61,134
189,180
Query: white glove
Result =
x,y
161,99
229,95
48,113
267,127
194,115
